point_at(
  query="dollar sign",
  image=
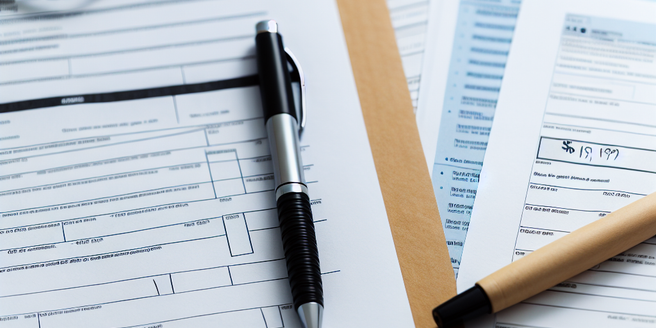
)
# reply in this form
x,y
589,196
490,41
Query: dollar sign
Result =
x,y
566,147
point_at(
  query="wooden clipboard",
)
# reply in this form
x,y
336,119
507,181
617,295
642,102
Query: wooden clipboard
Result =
x,y
398,156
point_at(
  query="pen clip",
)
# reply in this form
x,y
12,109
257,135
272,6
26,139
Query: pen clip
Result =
x,y
301,78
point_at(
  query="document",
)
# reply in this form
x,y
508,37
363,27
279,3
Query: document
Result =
x,y
136,179
572,140
410,21
467,43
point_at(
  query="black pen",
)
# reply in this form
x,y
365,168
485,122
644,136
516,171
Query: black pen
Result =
x,y
292,200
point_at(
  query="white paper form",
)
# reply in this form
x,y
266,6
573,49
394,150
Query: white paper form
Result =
x,y
135,175
467,44
573,139
410,21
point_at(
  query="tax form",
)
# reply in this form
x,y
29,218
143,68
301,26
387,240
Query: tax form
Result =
x,y
136,180
410,21
573,139
467,45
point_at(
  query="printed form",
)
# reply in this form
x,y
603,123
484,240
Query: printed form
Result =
x,y
467,43
574,138
410,21
136,180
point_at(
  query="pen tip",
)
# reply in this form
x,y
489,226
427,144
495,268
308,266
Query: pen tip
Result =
x,y
311,315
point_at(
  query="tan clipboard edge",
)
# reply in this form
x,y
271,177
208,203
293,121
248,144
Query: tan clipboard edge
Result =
x,y
399,159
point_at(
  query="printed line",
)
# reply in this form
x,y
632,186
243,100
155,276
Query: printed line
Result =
x,y
151,296
13,51
240,172
281,318
232,283
105,197
408,6
248,233
93,177
546,229
128,30
124,71
604,98
146,139
240,82
116,251
597,128
412,54
189,201
175,106
156,288
409,26
593,310
610,286
186,129
209,169
67,14
192,317
583,189
128,211
569,209
264,319
458,167
130,50
171,281
331,272
114,234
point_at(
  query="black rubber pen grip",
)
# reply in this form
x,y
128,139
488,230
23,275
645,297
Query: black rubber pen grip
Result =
x,y
300,245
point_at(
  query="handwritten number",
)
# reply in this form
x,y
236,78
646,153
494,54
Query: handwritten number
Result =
x,y
589,151
609,152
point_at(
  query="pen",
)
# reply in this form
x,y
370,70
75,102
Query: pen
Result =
x,y
292,200
558,261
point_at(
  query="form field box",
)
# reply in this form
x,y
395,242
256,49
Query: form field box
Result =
x,y
201,279
163,284
272,317
239,239
32,70
235,132
31,235
262,219
256,166
257,272
80,296
597,154
225,170
259,183
229,69
134,59
229,187
221,155
230,319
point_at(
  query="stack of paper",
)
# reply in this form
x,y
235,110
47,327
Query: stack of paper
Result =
x,y
570,88
135,177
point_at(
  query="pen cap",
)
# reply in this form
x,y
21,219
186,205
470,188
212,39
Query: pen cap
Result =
x,y
469,304
275,82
